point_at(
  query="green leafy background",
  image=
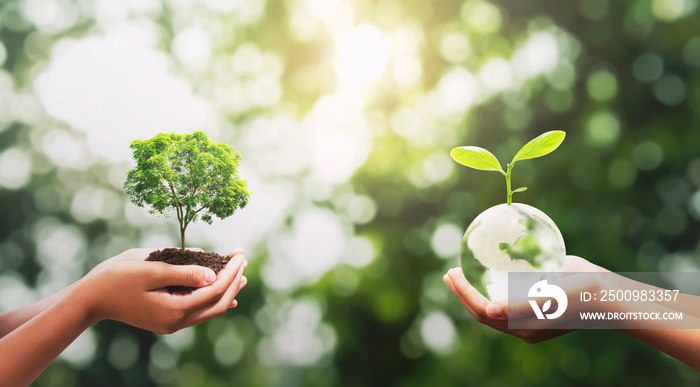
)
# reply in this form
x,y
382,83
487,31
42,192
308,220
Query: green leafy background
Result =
x,y
357,209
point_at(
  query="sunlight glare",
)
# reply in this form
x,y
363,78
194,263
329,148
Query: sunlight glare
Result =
x,y
362,55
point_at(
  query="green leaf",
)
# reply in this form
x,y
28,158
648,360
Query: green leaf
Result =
x,y
540,146
477,158
521,189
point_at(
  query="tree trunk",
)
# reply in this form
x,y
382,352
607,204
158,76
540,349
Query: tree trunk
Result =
x,y
182,237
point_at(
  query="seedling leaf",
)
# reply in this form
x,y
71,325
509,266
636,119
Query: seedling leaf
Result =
x,y
477,158
541,145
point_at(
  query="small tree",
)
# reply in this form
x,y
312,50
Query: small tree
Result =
x,y
187,172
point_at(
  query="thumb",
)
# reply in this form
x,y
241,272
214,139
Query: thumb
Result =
x,y
496,311
186,275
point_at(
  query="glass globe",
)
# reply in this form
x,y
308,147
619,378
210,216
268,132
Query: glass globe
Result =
x,y
515,238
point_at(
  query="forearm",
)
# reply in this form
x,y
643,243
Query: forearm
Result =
x,y
681,344
669,336
11,320
28,350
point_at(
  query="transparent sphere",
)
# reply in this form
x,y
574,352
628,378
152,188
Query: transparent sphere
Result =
x,y
515,238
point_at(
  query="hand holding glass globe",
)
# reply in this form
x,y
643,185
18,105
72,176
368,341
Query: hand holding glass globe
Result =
x,y
509,237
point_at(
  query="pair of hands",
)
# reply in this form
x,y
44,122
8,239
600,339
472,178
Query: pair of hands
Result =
x,y
495,314
126,288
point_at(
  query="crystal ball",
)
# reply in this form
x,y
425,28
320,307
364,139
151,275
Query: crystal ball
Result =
x,y
510,238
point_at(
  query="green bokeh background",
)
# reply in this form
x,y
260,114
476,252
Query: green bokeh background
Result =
x,y
623,189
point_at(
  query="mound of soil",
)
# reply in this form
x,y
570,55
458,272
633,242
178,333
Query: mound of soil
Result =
x,y
175,256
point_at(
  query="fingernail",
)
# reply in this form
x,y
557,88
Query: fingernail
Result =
x,y
494,310
209,276
445,277
245,263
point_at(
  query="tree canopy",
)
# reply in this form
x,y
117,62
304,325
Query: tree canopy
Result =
x,y
188,173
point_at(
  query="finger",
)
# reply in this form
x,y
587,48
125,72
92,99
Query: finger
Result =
x,y
134,254
476,300
162,275
237,262
208,295
459,295
495,311
499,324
232,290
195,249
236,251
221,306
468,294
244,281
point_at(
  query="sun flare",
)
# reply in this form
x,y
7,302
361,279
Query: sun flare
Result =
x,y
362,55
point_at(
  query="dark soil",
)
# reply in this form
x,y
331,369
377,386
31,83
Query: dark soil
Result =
x,y
175,257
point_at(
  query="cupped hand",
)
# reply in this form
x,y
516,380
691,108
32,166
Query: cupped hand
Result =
x,y
495,314
128,289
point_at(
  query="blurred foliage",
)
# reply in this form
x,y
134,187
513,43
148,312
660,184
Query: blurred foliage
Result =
x,y
624,188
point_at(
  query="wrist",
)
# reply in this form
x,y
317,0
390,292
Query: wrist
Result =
x,y
86,297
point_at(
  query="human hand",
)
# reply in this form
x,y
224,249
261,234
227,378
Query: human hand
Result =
x,y
495,314
128,289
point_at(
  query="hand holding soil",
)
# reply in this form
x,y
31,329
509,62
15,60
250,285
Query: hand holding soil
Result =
x,y
142,299
123,288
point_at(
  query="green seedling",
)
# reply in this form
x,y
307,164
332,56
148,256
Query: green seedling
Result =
x,y
189,173
481,159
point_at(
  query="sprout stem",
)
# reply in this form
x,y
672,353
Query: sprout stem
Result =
x,y
507,175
